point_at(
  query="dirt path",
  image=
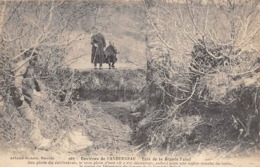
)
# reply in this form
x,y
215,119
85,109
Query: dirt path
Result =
x,y
86,66
109,127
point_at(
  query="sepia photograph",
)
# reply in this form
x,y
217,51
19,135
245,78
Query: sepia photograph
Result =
x,y
129,83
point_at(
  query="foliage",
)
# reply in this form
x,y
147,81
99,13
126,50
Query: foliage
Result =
x,y
197,66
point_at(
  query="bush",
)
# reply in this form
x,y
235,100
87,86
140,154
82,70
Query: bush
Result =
x,y
210,105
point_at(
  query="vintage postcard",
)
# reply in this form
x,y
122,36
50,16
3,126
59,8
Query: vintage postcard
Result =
x,y
129,83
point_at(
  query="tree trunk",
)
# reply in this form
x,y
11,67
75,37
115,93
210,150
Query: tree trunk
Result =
x,y
156,56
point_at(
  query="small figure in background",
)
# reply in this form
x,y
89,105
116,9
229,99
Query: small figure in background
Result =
x,y
21,66
98,44
25,84
111,53
30,83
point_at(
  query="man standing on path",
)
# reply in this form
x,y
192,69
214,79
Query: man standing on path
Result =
x,y
98,44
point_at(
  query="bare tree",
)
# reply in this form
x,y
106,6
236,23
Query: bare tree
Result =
x,y
44,30
194,49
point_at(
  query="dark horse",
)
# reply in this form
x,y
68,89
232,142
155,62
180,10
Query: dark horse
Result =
x,y
111,53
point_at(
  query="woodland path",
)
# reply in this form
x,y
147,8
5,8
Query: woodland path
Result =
x,y
110,128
